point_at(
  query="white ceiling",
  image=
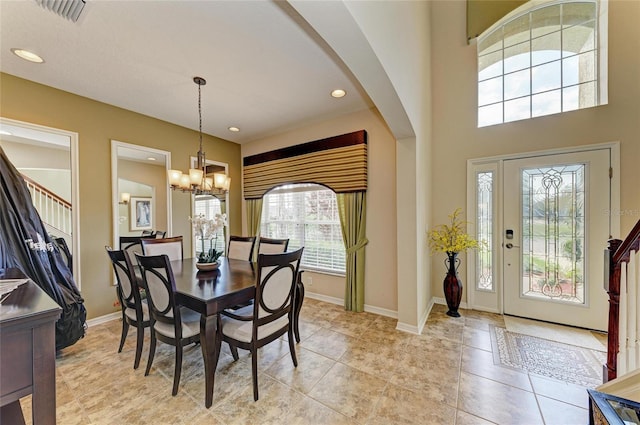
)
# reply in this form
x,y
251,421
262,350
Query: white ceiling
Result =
x,y
267,71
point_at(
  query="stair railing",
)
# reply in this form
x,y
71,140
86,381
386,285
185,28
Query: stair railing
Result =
x,y
622,262
53,210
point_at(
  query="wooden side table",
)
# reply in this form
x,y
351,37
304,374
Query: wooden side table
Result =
x,y
27,353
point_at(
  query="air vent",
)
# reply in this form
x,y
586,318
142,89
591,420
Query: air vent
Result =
x,y
69,9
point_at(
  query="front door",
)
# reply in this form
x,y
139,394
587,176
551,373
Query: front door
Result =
x,y
556,224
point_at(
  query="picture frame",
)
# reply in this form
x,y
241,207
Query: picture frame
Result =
x,y
140,213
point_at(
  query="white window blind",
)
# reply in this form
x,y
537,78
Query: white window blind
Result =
x,y
306,214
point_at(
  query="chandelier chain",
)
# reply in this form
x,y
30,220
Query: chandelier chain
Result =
x,y
200,114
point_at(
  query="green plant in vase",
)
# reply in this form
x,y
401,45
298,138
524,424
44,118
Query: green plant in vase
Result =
x,y
207,229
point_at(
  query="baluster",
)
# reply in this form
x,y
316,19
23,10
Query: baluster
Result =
x,y
632,280
623,322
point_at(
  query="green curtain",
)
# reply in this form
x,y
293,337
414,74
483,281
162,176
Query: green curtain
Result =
x,y
254,215
352,209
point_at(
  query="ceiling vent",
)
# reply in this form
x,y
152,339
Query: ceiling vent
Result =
x,y
69,9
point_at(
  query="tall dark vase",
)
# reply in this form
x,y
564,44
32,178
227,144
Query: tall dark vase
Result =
x,y
452,284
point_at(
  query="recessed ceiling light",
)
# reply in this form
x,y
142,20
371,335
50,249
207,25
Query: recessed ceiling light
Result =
x,y
234,129
150,158
27,55
338,93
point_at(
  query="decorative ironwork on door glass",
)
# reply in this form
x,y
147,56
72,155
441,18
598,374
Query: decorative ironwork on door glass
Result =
x,y
553,229
484,231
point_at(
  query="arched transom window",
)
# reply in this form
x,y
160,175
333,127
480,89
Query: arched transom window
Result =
x,y
542,59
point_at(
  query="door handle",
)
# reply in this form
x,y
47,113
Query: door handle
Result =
x,y
509,245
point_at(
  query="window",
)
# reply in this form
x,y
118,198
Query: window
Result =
x,y
208,206
545,60
307,214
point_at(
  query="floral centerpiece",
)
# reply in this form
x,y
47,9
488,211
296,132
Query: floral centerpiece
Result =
x,y
207,229
452,239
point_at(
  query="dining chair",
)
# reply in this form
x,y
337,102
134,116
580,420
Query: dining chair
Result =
x,y
160,234
147,233
135,311
170,323
270,316
241,247
172,247
131,244
272,246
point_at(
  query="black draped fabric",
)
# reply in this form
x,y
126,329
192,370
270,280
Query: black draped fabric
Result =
x,y
25,245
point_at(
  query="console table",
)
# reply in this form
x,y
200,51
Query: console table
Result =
x,y
27,352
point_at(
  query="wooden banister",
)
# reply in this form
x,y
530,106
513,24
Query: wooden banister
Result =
x,y
47,191
618,252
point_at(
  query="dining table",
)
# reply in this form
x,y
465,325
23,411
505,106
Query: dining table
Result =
x,y
208,293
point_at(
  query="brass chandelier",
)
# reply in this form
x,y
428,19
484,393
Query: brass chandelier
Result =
x,y
196,180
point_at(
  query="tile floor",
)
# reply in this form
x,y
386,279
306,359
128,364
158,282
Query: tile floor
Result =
x,y
354,368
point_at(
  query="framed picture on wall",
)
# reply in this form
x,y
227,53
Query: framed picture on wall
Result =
x,y
140,213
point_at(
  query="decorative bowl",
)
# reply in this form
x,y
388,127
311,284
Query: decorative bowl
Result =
x,y
207,266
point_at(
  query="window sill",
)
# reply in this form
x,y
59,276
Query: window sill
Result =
x,y
321,271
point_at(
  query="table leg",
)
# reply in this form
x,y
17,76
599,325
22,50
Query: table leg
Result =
x,y
210,353
12,413
43,401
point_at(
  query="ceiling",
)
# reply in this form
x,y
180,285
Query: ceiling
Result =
x,y
267,71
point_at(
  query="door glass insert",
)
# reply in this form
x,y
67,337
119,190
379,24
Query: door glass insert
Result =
x,y
553,229
484,231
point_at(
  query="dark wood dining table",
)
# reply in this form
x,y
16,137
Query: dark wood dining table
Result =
x,y
208,293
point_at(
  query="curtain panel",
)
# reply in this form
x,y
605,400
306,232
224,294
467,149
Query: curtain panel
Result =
x,y
352,209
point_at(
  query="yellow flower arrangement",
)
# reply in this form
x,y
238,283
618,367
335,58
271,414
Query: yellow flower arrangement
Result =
x,y
451,238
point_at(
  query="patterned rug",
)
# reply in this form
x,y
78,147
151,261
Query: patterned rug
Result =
x,y
567,363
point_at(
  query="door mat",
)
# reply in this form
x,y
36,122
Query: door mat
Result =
x,y
566,363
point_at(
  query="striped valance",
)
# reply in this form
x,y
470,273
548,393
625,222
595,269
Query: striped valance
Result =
x,y
481,14
339,163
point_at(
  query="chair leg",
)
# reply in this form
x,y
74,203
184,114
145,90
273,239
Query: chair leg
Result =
x,y
152,352
139,342
292,348
125,331
178,369
254,372
234,352
297,307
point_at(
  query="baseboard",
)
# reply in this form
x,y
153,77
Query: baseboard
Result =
x,y
339,301
417,330
104,319
442,301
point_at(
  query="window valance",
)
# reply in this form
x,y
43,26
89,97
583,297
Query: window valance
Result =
x,y
481,14
338,162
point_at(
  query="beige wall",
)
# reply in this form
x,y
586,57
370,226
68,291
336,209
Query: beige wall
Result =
x,y
380,269
457,139
96,124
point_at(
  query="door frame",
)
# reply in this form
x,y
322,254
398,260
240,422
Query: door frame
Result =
x,y
493,301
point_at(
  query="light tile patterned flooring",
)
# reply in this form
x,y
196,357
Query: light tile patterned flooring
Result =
x,y
353,368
